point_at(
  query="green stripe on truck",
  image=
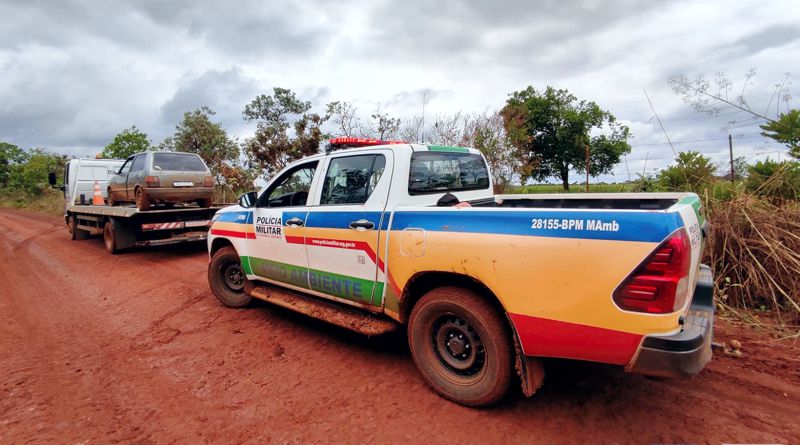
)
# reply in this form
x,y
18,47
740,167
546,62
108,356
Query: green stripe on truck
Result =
x,y
342,286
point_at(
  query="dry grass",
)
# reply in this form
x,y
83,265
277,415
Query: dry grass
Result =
x,y
49,201
754,250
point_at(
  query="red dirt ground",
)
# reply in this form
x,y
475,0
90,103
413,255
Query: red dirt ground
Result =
x,y
134,348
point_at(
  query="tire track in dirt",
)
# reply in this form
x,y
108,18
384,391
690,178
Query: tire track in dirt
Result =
x,y
134,348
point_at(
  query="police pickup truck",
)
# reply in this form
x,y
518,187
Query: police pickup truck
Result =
x,y
384,234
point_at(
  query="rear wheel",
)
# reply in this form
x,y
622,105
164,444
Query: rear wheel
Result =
x,y
109,238
462,346
142,203
204,203
226,278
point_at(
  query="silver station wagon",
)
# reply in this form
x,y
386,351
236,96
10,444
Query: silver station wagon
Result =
x,y
162,177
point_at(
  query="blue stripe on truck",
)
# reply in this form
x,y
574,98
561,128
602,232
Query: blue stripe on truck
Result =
x,y
601,225
236,217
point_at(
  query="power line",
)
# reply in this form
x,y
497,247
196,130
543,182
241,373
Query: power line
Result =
x,y
697,140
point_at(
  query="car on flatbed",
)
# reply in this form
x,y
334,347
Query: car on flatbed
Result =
x,y
369,238
161,178
123,226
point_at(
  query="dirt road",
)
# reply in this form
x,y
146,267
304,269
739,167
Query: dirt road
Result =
x,y
134,348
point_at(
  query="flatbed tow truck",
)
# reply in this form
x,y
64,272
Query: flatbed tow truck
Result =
x,y
125,227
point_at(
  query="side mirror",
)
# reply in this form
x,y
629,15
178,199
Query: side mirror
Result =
x,y
247,200
51,179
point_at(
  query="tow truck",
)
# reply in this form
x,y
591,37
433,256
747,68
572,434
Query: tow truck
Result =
x,y
124,227
374,236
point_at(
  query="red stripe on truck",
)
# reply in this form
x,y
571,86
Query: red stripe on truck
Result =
x,y
233,234
551,338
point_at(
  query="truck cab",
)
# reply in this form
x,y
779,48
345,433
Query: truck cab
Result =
x,y
80,176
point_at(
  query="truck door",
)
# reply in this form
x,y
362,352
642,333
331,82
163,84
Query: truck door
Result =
x,y
342,232
278,253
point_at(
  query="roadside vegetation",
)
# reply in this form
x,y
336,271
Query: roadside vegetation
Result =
x,y
539,135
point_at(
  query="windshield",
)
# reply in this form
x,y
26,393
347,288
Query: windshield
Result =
x,y
178,162
446,172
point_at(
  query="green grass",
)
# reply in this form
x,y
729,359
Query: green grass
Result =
x,y
573,188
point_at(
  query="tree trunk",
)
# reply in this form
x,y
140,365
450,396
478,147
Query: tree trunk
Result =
x,y
565,179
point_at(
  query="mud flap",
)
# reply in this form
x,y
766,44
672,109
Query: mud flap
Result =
x,y
529,369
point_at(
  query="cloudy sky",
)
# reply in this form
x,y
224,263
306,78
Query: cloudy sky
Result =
x,y
75,73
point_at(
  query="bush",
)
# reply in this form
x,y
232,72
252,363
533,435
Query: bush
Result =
x,y
693,172
777,181
754,250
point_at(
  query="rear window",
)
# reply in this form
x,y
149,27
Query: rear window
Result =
x,y
446,172
177,162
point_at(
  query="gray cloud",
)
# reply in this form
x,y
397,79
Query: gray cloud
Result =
x,y
225,92
74,73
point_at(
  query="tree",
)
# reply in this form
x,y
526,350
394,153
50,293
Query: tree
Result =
x,y
196,133
488,136
31,175
11,156
343,116
691,173
381,126
786,130
712,97
413,130
551,129
126,143
273,147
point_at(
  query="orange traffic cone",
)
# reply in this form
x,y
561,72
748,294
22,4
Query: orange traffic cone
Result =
x,y
97,196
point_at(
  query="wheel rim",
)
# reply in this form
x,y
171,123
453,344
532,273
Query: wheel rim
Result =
x,y
458,347
233,276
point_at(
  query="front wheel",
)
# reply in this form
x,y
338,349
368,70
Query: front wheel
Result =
x,y
462,346
226,278
75,233
111,201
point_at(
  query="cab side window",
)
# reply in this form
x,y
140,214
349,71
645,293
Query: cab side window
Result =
x,y
352,179
138,163
291,189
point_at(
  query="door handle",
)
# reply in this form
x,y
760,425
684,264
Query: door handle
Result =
x,y
296,222
362,224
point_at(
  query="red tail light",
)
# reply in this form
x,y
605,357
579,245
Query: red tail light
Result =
x,y
208,182
152,181
660,285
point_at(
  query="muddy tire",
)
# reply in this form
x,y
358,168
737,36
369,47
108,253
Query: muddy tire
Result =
x,y
226,278
75,233
462,346
111,201
109,238
142,203
204,203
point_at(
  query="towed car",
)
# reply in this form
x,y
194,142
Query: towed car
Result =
x,y
162,178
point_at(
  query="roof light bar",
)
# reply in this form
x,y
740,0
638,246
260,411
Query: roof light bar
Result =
x,y
360,142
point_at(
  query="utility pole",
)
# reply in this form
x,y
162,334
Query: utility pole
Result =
x,y
730,147
587,168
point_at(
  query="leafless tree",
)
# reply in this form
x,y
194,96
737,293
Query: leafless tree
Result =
x,y
344,119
